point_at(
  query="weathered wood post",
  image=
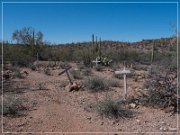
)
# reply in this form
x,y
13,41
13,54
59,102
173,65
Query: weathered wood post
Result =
x,y
66,71
124,72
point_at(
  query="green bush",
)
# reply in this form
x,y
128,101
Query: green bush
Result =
x,y
33,67
19,55
86,72
13,106
99,67
76,74
18,74
112,109
47,71
162,88
96,84
113,82
41,86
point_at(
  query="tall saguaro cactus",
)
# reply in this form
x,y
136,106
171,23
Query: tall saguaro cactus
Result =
x,y
92,45
99,48
96,48
152,53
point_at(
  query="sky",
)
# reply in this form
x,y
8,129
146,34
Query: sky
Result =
x,y
76,22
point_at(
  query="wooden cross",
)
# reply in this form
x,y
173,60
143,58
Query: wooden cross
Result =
x,y
96,61
124,72
66,71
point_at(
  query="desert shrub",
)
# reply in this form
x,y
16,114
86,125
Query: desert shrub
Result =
x,y
121,76
41,86
112,109
113,82
96,84
33,67
47,71
18,74
13,106
23,61
99,67
144,58
140,67
168,60
64,65
19,55
87,72
85,56
76,74
64,83
162,88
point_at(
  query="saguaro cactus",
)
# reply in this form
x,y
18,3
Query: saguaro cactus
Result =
x,y
99,48
152,53
92,45
96,48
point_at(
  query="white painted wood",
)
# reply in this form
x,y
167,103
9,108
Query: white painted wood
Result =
x,y
96,61
124,72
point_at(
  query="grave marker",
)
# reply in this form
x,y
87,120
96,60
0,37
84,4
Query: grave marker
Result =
x,y
124,72
66,71
96,61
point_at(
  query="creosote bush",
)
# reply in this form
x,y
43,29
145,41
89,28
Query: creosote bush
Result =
x,y
33,67
76,74
112,109
47,71
42,86
86,72
13,106
18,74
99,67
162,88
113,82
95,84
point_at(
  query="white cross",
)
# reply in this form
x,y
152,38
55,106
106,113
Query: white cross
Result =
x,y
96,61
124,72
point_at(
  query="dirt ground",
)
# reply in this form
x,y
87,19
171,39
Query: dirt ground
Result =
x,y
55,109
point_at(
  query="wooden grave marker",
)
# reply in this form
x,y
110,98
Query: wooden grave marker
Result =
x,y
124,72
96,61
66,71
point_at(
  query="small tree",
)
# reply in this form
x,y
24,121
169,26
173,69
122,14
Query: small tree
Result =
x,y
27,35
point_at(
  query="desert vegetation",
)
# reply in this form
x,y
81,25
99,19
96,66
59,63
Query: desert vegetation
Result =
x,y
65,79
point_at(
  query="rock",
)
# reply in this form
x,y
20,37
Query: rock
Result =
x,y
132,105
113,123
138,121
163,123
163,129
169,109
102,123
88,118
172,129
74,87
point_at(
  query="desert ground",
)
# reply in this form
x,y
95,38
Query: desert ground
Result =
x,y
51,107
